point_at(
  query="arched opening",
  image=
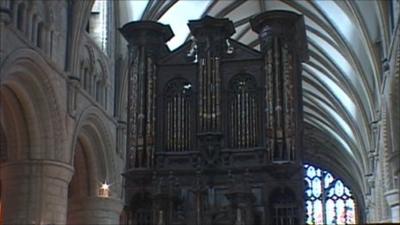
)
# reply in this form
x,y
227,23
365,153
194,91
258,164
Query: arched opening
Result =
x,y
79,185
92,197
3,156
33,28
21,17
40,35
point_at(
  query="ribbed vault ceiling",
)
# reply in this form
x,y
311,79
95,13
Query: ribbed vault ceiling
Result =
x,y
341,81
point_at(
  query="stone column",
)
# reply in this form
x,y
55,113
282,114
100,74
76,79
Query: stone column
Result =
x,y
393,199
284,45
146,44
94,210
35,192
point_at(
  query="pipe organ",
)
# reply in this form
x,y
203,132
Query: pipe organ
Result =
x,y
215,127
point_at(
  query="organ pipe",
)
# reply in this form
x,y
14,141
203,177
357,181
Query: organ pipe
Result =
x,y
178,108
284,46
146,41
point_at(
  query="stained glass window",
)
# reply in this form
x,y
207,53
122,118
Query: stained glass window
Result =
x,y
328,200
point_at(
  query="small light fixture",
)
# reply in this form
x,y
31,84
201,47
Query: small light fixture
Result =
x,y
104,190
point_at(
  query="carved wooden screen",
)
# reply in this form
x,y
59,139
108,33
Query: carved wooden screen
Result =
x,y
283,207
141,211
243,125
178,116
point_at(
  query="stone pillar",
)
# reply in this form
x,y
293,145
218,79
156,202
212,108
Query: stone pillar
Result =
x,y
284,45
146,44
393,199
94,210
35,192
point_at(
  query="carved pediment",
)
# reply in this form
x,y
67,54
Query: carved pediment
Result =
x,y
242,52
179,55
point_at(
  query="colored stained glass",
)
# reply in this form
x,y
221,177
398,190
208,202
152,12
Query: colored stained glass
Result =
x,y
328,200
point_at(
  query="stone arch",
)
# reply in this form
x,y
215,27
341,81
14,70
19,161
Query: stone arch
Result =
x,y
97,142
92,157
3,157
14,125
26,80
3,145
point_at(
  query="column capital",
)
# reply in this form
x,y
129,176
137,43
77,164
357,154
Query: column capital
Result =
x,y
146,32
283,24
36,168
96,203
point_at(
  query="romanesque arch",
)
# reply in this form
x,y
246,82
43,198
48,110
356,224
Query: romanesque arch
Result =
x,y
94,165
27,80
34,128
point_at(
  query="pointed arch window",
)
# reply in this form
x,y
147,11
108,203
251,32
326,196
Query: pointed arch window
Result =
x,y
328,200
178,116
243,112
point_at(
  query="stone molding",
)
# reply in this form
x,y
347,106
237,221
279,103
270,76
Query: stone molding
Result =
x,y
45,168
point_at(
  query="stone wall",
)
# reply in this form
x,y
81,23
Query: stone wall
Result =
x,y
47,110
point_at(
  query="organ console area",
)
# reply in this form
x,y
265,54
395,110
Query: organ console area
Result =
x,y
215,127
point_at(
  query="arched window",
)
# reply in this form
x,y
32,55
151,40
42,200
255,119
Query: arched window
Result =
x,y
243,112
178,115
328,200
